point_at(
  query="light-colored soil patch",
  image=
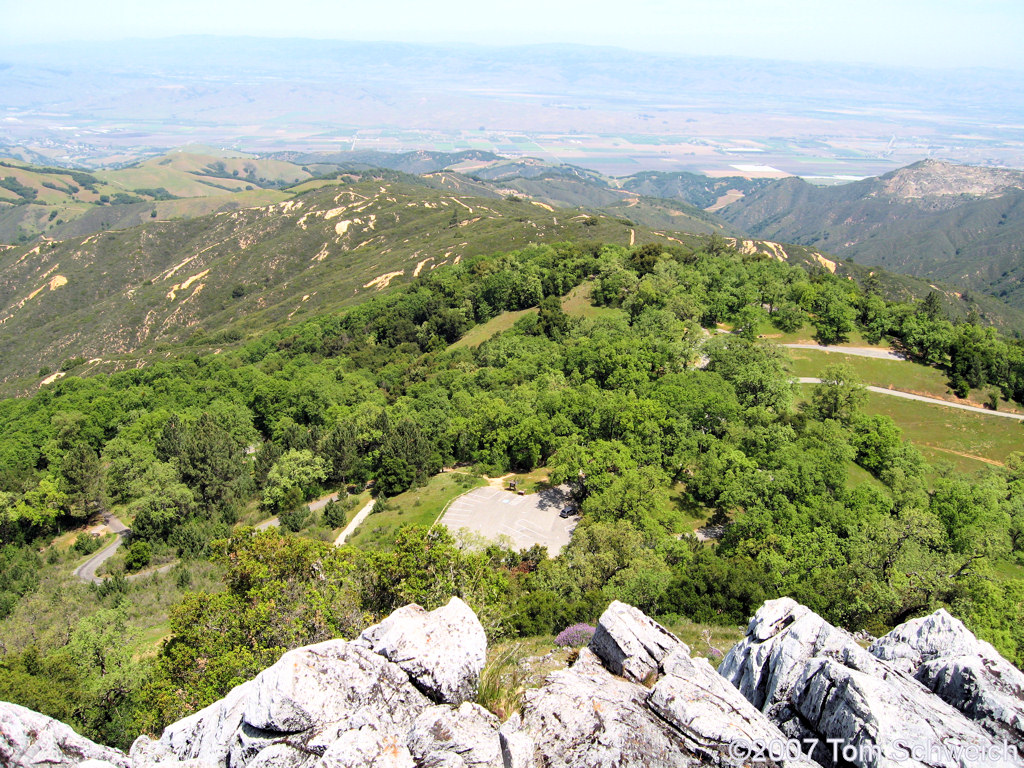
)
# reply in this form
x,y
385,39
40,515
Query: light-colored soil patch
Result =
x,y
383,281
729,197
826,263
173,293
420,265
52,378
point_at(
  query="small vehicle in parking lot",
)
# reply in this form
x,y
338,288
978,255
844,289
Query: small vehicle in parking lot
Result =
x,y
567,512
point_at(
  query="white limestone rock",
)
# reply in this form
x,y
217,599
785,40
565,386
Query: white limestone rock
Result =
x,y
968,673
631,644
470,733
517,748
31,740
443,651
592,718
874,717
780,638
815,682
937,636
366,747
146,751
712,717
297,708
206,734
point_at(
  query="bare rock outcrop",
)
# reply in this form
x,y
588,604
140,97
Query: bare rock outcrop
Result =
x,y
630,643
968,673
712,717
587,716
290,714
396,697
819,686
366,747
466,737
29,739
443,651
597,714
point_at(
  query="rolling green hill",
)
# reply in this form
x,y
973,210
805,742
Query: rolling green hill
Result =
x,y
941,222
58,203
208,270
37,201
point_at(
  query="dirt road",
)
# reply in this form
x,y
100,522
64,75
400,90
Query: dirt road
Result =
x,y
361,515
875,352
923,399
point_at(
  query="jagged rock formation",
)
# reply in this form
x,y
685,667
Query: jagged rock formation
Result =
x,y
941,653
399,697
818,685
443,651
30,739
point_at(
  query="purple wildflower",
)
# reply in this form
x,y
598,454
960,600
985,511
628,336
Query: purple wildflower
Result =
x,y
575,636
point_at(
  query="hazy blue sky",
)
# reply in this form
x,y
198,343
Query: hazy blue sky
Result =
x,y
924,32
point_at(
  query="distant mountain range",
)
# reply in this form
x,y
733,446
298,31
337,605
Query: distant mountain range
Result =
x,y
58,202
957,224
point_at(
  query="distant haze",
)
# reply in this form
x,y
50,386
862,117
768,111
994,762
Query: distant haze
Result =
x,y
605,108
929,33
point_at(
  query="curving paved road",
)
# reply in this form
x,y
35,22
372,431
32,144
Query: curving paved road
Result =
x,y
923,399
86,572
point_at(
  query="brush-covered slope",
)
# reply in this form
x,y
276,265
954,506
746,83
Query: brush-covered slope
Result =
x,y
117,292
570,187
959,224
701,191
57,203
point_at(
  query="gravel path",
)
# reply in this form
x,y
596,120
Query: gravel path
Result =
x,y
923,399
361,515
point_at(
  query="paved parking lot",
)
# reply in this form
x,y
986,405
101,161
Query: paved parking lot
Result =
x,y
525,520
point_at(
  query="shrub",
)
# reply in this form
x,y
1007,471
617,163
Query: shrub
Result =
x,y
334,514
137,556
86,544
115,585
183,578
295,519
575,636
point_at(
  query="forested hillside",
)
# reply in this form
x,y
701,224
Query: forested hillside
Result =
x,y
656,424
